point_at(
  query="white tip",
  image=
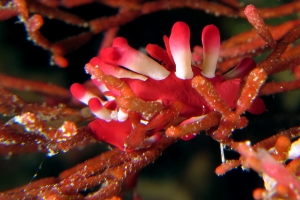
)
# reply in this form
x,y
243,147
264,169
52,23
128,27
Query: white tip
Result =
x,y
98,110
180,48
183,65
122,116
294,152
211,50
124,55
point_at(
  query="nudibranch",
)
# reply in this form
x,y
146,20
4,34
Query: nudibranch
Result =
x,y
127,76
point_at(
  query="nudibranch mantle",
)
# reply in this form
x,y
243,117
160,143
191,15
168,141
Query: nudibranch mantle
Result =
x,y
165,84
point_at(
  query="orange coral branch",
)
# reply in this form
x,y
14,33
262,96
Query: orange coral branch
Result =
x,y
34,86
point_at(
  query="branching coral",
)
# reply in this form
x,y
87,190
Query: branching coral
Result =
x,y
142,105
144,95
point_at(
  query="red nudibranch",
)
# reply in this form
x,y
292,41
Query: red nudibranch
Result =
x,y
164,83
